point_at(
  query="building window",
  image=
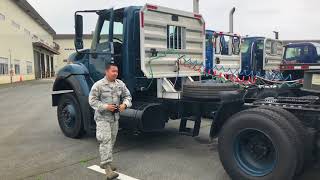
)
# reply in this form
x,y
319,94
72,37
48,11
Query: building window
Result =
x,y
4,66
29,67
176,37
27,31
15,24
2,17
17,67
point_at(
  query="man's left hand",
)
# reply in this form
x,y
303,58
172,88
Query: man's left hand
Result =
x,y
122,107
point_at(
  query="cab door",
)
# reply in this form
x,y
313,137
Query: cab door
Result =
x,y
102,45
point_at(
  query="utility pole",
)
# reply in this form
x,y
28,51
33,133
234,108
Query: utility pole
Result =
x,y
10,66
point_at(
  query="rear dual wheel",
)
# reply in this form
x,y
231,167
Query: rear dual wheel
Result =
x,y
259,144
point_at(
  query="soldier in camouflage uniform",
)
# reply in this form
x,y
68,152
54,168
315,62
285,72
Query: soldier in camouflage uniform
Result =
x,y
108,97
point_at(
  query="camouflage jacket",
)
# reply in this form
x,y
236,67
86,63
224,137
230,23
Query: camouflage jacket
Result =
x,y
105,92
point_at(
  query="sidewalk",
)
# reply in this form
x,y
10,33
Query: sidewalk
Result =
x,y
23,83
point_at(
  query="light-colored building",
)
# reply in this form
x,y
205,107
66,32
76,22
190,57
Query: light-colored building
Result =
x,y
27,48
66,44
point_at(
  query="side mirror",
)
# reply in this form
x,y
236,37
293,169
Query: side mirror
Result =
x,y
78,42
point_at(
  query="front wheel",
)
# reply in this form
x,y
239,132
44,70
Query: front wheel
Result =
x,y
69,116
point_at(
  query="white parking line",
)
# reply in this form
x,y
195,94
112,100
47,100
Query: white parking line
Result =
x,y
121,176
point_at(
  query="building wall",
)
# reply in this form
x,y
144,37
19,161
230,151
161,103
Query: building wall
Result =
x,y
66,49
17,32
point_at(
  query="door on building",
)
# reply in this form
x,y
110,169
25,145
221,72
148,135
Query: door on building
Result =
x,y
52,67
42,66
47,66
37,65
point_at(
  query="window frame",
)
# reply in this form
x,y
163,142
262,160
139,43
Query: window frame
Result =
x,y
4,66
2,17
178,37
17,69
29,64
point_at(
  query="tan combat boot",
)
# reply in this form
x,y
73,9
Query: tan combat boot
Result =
x,y
113,167
110,174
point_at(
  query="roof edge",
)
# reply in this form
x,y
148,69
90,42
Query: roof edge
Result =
x,y
28,9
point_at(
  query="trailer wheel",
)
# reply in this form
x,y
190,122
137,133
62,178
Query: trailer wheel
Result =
x,y
69,116
258,144
301,131
207,89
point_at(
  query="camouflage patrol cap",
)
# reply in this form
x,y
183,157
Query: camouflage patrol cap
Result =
x,y
111,63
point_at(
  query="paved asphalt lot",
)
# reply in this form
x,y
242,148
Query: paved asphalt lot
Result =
x,y
33,147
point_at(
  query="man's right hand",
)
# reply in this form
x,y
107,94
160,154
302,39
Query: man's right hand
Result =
x,y
110,107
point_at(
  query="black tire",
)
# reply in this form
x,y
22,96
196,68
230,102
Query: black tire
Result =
x,y
275,134
69,116
207,89
302,146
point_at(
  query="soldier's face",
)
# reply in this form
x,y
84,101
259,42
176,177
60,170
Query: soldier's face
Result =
x,y
112,73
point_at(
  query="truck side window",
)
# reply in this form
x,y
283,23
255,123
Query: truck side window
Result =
x,y
104,32
176,37
318,52
117,31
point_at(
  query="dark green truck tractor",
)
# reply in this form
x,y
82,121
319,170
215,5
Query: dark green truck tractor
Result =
x,y
130,37
267,139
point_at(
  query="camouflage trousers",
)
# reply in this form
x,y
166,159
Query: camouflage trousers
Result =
x,y
106,134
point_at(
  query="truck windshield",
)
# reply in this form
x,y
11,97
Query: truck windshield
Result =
x,y
245,46
296,53
318,50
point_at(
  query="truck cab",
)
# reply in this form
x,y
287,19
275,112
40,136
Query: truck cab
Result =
x,y
222,51
301,53
260,54
300,57
147,44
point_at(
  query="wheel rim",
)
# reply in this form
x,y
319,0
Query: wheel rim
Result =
x,y
69,115
254,152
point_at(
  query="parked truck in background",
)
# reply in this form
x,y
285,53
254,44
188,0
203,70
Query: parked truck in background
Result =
x,y
260,54
222,51
230,53
299,57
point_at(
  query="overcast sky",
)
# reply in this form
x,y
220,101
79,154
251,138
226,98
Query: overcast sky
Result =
x,y
294,19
